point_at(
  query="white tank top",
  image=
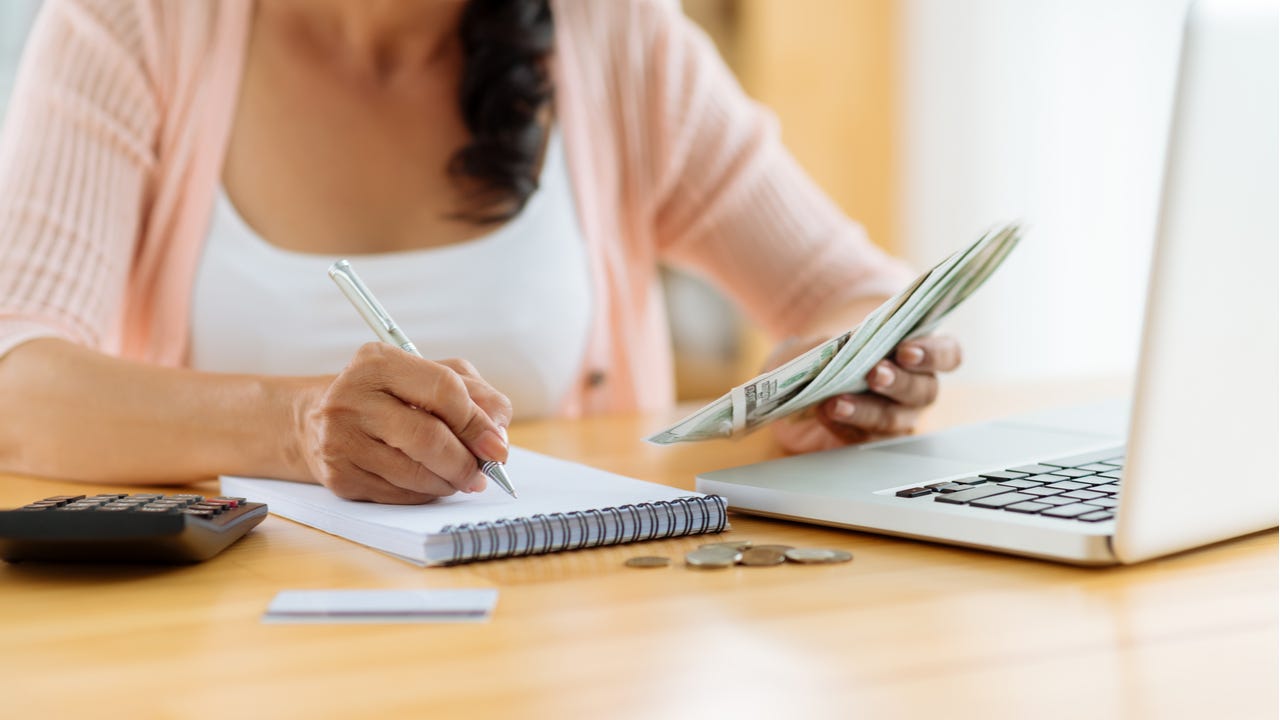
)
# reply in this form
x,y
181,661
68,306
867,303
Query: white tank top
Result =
x,y
515,303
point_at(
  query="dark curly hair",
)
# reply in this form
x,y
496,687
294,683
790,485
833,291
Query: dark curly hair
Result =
x,y
505,89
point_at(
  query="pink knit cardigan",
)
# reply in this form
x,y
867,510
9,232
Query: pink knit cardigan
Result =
x,y
113,147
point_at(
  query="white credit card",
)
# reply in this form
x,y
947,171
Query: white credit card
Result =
x,y
381,606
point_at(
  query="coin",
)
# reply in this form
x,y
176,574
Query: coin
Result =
x,y
762,557
712,557
648,561
818,555
738,545
779,548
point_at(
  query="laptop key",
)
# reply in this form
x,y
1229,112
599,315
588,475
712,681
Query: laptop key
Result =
x,y
1034,469
999,501
973,481
973,493
1086,458
1096,516
1068,485
1046,478
1005,474
1069,511
1083,494
913,492
1030,508
1098,467
1043,491
1056,500
1105,502
950,487
1021,483
1113,475
1071,472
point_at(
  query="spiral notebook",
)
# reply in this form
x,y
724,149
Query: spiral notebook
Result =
x,y
562,506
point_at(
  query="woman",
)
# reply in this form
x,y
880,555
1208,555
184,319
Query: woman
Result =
x,y
174,178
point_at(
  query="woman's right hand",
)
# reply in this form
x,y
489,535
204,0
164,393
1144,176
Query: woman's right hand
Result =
x,y
395,428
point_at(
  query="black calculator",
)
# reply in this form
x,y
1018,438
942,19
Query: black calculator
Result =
x,y
115,527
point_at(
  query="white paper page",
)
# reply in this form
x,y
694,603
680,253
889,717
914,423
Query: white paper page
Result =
x,y
546,485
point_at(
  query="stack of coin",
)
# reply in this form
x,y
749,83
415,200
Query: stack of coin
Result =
x,y
720,555
713,556
816,556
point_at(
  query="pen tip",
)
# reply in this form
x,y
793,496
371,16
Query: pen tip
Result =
x,y
498,474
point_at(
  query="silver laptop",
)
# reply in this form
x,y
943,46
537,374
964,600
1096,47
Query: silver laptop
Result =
x,y
1195,461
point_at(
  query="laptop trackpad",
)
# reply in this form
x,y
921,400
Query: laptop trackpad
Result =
x,y
993,446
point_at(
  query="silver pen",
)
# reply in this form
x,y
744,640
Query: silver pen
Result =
x,y
386,329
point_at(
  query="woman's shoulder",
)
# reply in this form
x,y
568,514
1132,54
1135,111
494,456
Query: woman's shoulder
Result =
x,y
163,35
139,20
615,24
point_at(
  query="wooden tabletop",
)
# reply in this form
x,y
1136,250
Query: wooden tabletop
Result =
x,y
908,629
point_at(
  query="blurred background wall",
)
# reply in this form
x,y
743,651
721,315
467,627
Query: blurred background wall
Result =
x,y
15,20
931,120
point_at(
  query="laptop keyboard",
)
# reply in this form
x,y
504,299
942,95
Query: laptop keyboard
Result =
x,y
1081,487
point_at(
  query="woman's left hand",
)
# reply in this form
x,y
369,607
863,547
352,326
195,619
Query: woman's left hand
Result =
x,y
900,387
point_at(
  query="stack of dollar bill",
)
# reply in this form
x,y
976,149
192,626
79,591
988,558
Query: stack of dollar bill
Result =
x,y
840,365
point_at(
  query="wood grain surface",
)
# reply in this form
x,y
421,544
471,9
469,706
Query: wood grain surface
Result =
x,y
908,629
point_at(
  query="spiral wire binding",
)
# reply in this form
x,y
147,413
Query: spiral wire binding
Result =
x,y
642,521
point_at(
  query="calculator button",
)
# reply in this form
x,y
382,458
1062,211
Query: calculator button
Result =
x,y
109,496
62,499
73,508
158,509
199,512
236,500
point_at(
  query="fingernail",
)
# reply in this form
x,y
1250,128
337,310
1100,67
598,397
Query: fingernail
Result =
x,y
478,485
502,430
843,409
491,446
883,376
912,355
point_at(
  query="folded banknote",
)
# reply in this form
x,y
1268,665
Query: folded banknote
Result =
x,y
840,365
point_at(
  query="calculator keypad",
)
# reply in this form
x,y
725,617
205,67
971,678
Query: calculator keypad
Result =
x,y
195,505
125,528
